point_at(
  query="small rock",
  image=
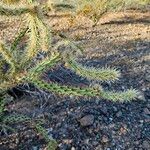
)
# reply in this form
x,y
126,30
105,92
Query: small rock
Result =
x,y
35,148
147,111
86,141
67,141
115,109
104,110
73,148
141,96
147,93
50,129
148,106
141,121
123,130
146,144
87,120
110,119
137,142
147,77
119,114
99,147
130,148
105,139
95,143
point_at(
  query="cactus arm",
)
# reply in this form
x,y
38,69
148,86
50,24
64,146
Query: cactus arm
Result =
x,y
44,35
127,95
103,74
18,39
2,107
2,73
64,90
8,57
39,38
33,37
52,144
5,85
33,42
90,92
15,119
43,65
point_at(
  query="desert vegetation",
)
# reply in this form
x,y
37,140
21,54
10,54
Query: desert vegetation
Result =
x,y
37,48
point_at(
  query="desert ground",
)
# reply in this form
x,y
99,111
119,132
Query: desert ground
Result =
x,y
120,40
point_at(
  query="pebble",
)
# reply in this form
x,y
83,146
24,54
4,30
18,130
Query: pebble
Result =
x,y
147,93
67,141
86,141
105,139
147,77
104,110
35,148
147,111
73,148
95,143
141,96
110,119
119,114
87,120
115,109
146,144
99,147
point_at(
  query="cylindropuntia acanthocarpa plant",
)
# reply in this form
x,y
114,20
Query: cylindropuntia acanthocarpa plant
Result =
x,y
21,71
21,66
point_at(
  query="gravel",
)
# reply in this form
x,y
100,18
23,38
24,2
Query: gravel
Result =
x,y
94,124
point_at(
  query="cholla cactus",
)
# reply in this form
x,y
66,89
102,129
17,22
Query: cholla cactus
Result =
x,y
22,69
19,66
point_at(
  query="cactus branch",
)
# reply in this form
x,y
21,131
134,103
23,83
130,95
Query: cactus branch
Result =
x,y
44,35
2,107
43,65
66,90
31,50
128,95
18,39
103,74
8,57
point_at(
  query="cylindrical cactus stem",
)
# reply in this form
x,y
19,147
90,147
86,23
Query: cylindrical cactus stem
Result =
x,y
86,92
43,65
8,57
64,90
125,96
17,39
101,74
